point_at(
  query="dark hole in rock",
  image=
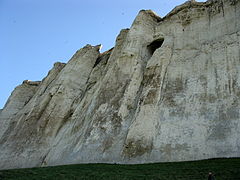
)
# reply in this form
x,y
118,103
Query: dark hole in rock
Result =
x,y
155,45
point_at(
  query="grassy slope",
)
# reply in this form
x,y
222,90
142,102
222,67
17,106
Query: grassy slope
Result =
x,y
224,169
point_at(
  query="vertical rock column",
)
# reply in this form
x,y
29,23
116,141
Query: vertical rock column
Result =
x,y
103,128
18,99
48,111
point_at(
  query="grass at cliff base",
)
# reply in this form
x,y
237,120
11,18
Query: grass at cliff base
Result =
x,y
224,169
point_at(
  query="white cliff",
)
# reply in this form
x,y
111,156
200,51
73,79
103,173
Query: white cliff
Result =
x,y
168,91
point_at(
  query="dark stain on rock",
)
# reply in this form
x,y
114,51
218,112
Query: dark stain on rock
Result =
x,y
172,88
66,118
151,97
178,111
116,120
222,124
107,143
169,149
151,77
137,148
210,98
220,131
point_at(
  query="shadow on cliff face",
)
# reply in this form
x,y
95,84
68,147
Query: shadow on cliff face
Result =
x,y
155,45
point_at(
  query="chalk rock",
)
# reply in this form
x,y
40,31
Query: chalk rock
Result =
x,y
169,90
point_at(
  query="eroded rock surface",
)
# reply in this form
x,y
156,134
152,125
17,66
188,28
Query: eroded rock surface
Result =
x,y
168,91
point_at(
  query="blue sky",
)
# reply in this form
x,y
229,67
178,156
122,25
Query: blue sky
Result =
x,y
36,33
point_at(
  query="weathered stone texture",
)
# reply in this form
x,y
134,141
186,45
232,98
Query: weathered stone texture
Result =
x,y
168,91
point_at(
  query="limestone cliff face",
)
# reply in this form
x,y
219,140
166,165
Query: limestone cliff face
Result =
x,y
168,91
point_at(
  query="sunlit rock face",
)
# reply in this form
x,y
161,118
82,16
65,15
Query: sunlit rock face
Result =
x,y
168,91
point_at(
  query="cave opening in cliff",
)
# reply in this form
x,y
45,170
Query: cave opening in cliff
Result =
x,y
155,45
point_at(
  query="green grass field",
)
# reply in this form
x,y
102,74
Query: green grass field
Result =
x,y
224,169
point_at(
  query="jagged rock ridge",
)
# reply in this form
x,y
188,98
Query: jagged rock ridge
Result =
x,y
168,91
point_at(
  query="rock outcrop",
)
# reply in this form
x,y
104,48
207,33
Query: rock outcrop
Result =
x,y
168,91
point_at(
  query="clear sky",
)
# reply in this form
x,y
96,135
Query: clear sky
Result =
x,y
36,33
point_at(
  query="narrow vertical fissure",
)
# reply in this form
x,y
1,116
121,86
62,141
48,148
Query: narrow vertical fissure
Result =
x,y
150,49
130,148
